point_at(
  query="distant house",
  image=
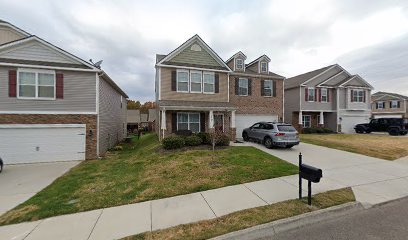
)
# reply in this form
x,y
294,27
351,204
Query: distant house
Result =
x,y
329,97
133,120
54,106
144,123
152,119
385,104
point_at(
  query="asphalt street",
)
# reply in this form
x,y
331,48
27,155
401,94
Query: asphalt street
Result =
x,y
388,222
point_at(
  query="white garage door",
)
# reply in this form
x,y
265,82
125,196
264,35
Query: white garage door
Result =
x,y
348,122
34,143
243,121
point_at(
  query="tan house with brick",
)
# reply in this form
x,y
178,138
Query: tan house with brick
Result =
x,y
54,106
196,90
389,105
328,97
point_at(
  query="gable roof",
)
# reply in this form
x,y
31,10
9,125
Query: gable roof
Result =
x,y
19,30
299,79
239,53
378,95
258,59
175,52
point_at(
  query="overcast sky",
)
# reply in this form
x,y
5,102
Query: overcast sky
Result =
x,y
367,37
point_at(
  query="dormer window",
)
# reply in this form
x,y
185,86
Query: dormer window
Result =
x,y
264,67
239,64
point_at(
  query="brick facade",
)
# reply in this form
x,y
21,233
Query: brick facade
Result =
x,y
89,119
255,103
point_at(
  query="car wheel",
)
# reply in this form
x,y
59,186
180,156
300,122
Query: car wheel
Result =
x,y
403,133
245,137
368,131
393,132
1,167
358,130
288,146
268,142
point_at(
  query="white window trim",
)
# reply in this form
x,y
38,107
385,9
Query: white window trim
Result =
x,y
266,88
208,73
223,120
356,92
188,80
247,87
378,106
308,94
260,67
191,82
188,120
36,72
396,106
236,64
310,121
326,95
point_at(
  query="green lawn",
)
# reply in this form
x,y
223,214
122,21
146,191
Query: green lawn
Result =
x,y
248,218
144,171
379,146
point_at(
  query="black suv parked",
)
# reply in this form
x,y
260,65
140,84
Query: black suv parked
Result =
x,y
394,126
1,165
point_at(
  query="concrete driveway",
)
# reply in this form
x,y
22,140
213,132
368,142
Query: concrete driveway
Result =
x,y
20,182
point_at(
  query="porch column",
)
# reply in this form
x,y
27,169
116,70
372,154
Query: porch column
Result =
x,y
233,119
300,118
163,121
321,118
211,119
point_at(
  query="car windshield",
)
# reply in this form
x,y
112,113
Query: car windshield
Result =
x,y
286,128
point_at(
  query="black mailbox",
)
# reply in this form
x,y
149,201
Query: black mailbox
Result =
x,y
310,173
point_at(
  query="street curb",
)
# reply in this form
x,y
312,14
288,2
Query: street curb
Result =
x,y
294,222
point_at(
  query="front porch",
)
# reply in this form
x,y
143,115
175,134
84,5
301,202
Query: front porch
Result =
x,y
196,119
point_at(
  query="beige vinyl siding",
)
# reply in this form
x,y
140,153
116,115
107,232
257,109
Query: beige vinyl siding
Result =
x,y
168,94
338,79
8,34
292,102
195,57
326,75
112,117
79,95
356,82
36,52
316,105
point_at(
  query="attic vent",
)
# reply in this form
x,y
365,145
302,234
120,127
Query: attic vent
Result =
x,y
196,48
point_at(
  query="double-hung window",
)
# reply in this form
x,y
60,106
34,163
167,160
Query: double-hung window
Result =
x,y
394,104
380,105
358,96
239,64
188,121
268,85
243,87
306,121
310,94
195,81
36,84
264,67
209,82
323,95
182,81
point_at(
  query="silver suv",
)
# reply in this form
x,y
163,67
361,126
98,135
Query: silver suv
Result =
x,y
272,134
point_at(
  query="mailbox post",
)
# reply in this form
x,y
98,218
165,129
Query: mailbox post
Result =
x,y
311,174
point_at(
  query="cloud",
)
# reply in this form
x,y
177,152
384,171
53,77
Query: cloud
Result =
x,y
297,35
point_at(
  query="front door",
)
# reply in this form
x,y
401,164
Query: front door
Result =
x,y
219,122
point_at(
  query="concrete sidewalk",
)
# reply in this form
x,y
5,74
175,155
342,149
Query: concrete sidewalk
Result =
x,y
373,181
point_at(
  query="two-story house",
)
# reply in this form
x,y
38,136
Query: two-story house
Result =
x,y
392,105
328,97
196,90
54,106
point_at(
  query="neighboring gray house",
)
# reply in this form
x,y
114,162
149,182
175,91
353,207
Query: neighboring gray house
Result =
x,y
328,97
54,106
133,119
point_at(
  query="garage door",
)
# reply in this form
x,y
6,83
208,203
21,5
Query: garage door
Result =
x,y
243,121
34,143
348,122
388,116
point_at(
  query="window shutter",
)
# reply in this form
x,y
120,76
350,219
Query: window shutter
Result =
x,y
249,87
173,80
364,96
12,83
391,104
202,122
274,88
315,96
398,104
174,122
236,86
217,83
59,85
306,94
328,95
352,95
319,96
376,105
262,87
